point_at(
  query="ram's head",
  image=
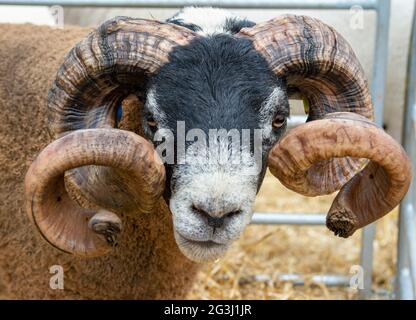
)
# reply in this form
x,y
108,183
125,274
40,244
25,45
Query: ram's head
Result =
x,y
215,109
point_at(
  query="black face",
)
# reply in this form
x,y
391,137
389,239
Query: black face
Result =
x,y
216,82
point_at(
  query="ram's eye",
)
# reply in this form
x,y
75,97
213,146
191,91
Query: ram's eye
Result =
x,y
278,121
151,122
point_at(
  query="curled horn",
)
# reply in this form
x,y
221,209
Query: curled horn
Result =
x,y
108,168
64,224
323,156
110,63
371,193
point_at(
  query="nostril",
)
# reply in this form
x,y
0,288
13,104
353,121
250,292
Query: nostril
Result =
x,y
232,213
215,222
198,210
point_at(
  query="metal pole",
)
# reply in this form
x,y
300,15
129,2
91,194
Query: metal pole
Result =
x,y
404,285
330,280
296,120
410,230
366,260
258,4
289,218
406,251
380,59
403,288
378,95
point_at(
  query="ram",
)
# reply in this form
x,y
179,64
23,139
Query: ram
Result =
x,y
91,162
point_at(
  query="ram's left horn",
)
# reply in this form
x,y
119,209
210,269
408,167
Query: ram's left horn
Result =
x,y
371,193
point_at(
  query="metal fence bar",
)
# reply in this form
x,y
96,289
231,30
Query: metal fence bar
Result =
x,y
381,48
258,4
366,260
404,285
410,230
330,280
296,120
406,270
378,95
288,218
406,251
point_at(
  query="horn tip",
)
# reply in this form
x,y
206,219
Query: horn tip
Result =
x,y
107,225
341,222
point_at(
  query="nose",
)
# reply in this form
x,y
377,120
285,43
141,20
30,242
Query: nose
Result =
x,y
215,220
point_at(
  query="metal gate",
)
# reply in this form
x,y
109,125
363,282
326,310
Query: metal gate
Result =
x,y
406,259
406,269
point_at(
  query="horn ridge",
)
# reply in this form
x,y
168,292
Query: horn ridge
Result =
x,y
103,68
317,61
324,155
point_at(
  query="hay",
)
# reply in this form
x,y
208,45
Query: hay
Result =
x,y
251,267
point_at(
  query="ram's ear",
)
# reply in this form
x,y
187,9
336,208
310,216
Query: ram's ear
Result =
x,y
237,25
130,115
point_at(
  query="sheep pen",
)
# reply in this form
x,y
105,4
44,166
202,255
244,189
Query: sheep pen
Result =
x,y
239,274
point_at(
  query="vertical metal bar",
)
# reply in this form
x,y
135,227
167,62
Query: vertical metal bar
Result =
x,y
407,218
402,270
366,260
378,95
406,252
380,59
410,218
404,283
289,218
